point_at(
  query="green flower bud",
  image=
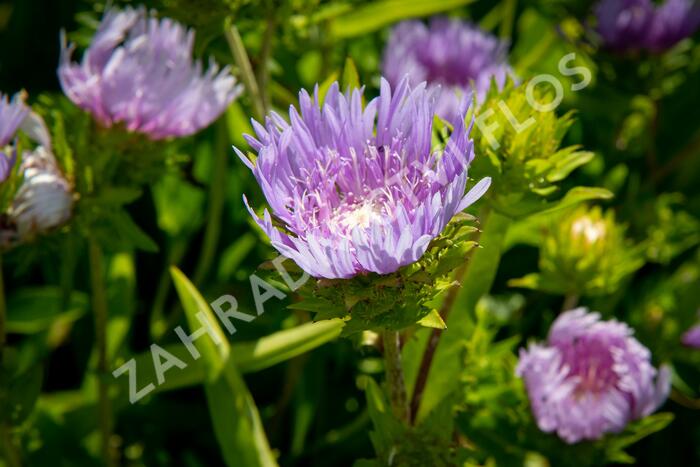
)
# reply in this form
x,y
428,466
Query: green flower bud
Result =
x,y
585,253
517,135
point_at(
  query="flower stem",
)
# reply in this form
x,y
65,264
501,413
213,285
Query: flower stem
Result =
x,y
485,273
99,305
10,450
11,454
240,56
263,74
215,209
433,342
3,314
570,302
394,375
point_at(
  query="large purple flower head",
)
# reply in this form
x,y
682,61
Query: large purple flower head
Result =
x,y
12,115
356,190
590,378
139,71
626,25
458,56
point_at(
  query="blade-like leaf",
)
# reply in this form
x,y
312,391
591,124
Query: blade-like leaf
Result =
x,y
375,15
234,415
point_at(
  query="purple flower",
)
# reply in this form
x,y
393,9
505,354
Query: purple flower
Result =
x,y
449,53
356,190
626,25
592,377
12,115
691,338
674,21
139,71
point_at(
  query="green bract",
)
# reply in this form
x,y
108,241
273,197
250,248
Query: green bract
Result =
x,y
398,300
517,137
584,253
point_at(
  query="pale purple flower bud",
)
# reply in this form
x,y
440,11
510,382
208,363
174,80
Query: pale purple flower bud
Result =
x,y
139,71
356,190
590,378
45,198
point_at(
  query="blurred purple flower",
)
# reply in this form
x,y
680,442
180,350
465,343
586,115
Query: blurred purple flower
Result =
x,y
691,338
139,71
358,190
592,377
626,25
12,115
449,53
674,21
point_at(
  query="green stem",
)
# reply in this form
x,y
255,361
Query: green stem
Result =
x,y
240,56
458,308
215,209
100,310
12,456
159,324
11,452
3,314
509,7
263,70
570,302
394,375
434,339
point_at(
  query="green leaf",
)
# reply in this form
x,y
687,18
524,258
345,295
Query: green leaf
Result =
x,y
250,356
235,417
433,320
32,310
375,15
577,196
351,79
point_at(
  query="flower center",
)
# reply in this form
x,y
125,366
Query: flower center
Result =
x,y
346,218
591,363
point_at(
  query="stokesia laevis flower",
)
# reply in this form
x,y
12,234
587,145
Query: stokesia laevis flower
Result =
x,y
45,198
626,25
691,337
12,114
590,378
356,190
673,21
139,71
457,56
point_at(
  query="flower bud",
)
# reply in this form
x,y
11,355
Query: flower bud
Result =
x,y
45,198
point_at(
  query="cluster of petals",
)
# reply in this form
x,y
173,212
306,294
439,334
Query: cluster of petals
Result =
x,y
590,378
355,189
451,54
626,25
139,72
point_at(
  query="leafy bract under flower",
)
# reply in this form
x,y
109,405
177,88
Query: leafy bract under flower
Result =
x,y
357,190
449,53
139,71
590,378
